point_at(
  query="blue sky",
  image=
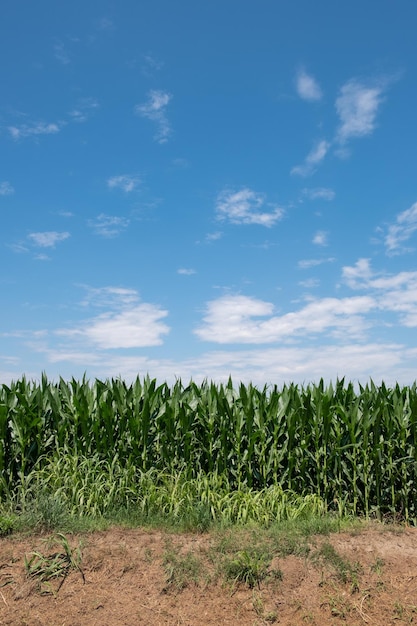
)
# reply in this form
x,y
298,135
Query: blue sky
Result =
x,y
198,189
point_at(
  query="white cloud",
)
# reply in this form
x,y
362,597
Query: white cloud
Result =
x,y
34,130
320,238
6,189
128,324
108,225
402,230
306,264
320,193
307,87
359,275
231,319
313,159
393,293
357,107
137,327
126,182
47,239
388,362
247,207
154,109
186,271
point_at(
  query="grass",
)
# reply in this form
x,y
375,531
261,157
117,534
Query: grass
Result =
x,y
47,567
249,567
181,570
345,571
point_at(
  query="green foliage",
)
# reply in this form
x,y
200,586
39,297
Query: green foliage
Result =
x,y
348,450
58,565
247,566
345,570
7,524
181,570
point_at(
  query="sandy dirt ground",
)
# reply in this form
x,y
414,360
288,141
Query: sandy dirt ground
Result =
x,y
129,577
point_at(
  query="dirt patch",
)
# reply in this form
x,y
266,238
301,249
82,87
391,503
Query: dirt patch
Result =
x,y
130,577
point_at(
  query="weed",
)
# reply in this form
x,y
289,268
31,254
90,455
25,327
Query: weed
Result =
x,y
181,570
377,566
45,568
45,511
345,571
7,524
247,566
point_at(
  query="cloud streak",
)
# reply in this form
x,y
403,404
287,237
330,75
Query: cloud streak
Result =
x,y
247,207
313,159
48,239
125,182
34,130
155,110
400,232
108,226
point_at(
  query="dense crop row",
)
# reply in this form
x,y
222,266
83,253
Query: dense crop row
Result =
x,y
354,448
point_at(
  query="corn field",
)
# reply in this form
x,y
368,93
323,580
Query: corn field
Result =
x,y
353,448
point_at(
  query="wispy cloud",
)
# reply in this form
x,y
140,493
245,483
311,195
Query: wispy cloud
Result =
x,y
83,109
320,238
6,189
108,225
310,283
210,237
34,130
61,53
390,362
104,24
247,207
42,257
313,159
392,292
155,109
126,182
306,264
357,107
151,65
48,239
109,297
186,271
320,193
235,319
403,229
307,87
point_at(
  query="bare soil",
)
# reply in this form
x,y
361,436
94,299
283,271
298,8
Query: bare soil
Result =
x,y
126,580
